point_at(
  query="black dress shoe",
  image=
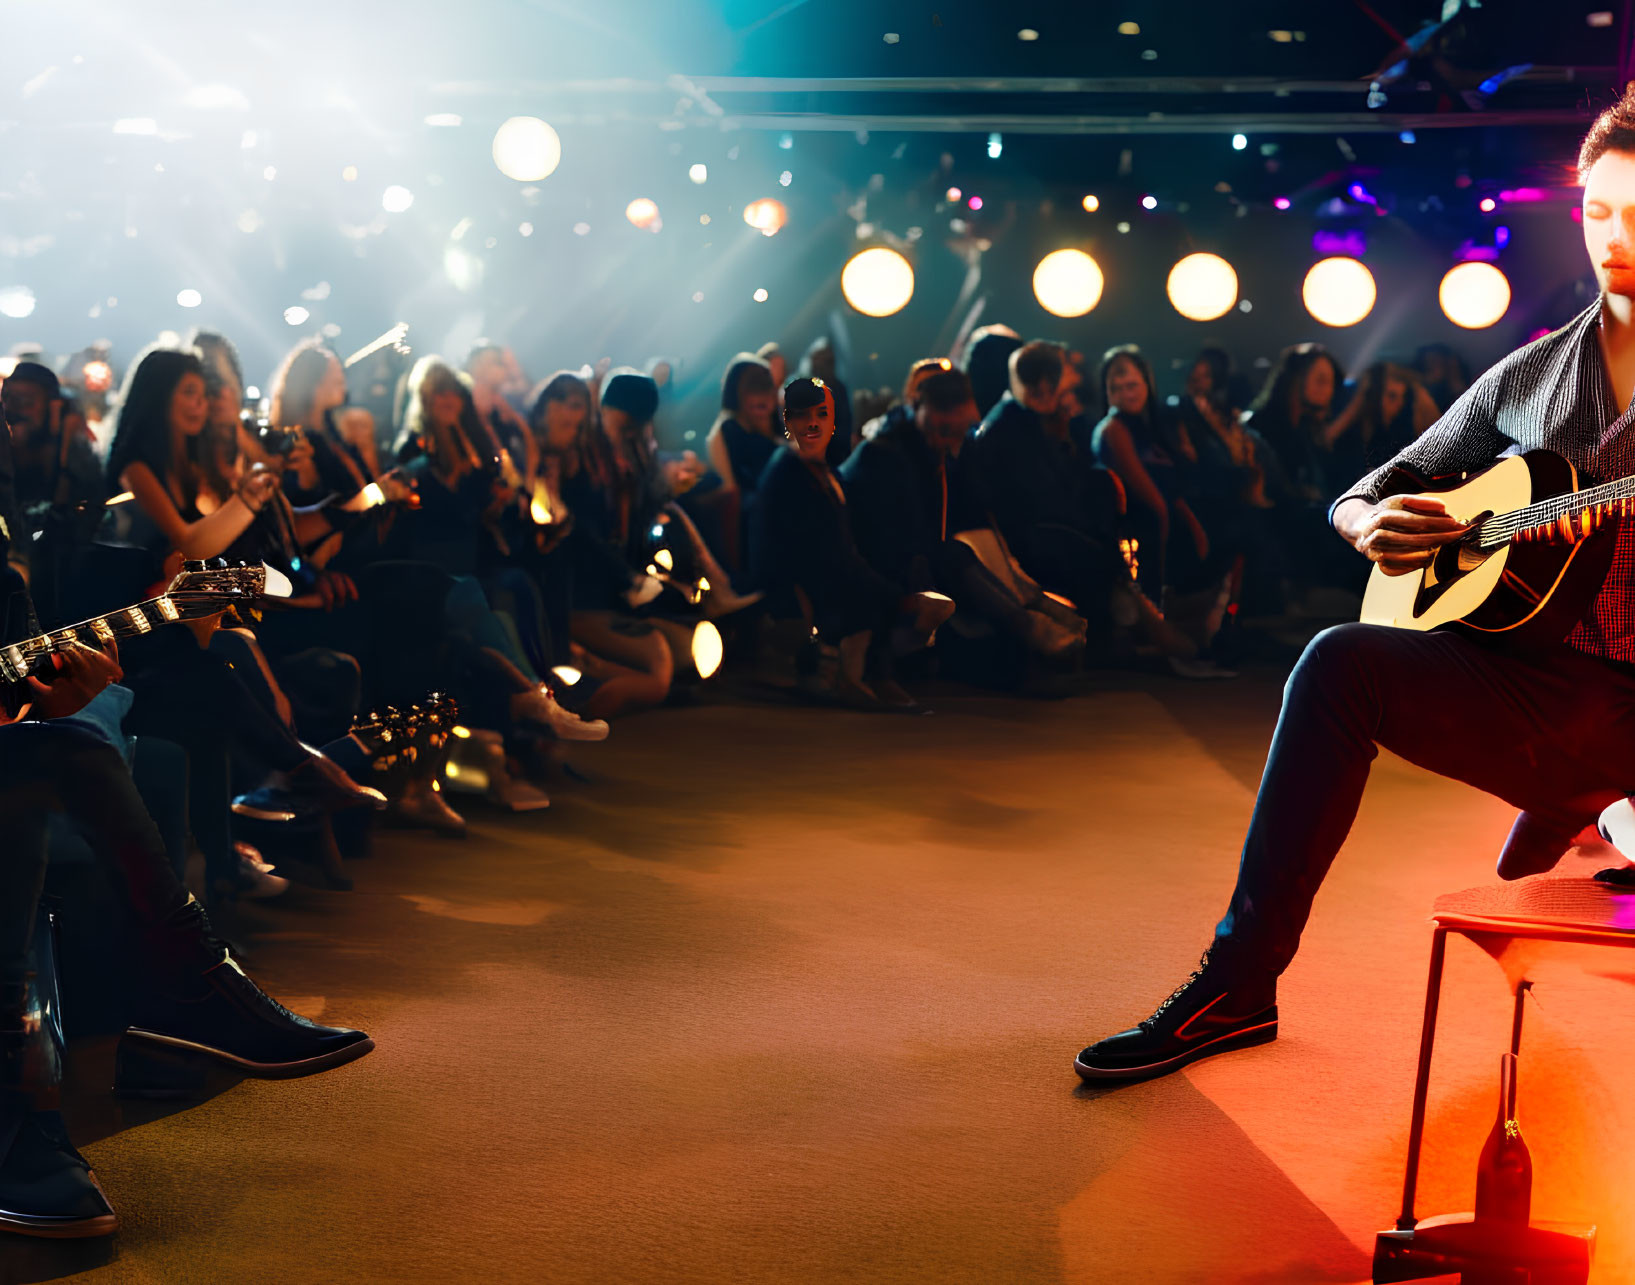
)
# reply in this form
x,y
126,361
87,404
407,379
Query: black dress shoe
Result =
x,y
224,1017
1215,1010
46,1187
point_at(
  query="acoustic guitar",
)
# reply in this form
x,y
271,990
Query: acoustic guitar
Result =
x,y
200,589
1538,552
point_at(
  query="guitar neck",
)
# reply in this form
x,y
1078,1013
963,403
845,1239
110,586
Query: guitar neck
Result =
x,y
1569,510
19,660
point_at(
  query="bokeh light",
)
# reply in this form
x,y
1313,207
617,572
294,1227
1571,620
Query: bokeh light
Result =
x,y
1067,283
877,282
296,316
698,173
526,149
708,649
767,215
1202,287
1091,203
188,298
16,301
1474,295
1338,291
643,212
396,199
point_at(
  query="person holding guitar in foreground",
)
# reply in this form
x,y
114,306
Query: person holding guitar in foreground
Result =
x,y
1530,695
195,1002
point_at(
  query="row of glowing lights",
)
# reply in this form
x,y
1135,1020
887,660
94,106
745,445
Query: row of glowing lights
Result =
x,y
1337,291
879,282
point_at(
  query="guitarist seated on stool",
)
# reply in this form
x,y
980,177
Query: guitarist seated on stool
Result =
x,y
1547,730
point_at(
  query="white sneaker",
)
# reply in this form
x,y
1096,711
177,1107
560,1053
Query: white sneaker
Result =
x,y
540,708
1616,825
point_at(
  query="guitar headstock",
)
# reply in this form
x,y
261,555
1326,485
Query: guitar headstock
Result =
x,y
218,580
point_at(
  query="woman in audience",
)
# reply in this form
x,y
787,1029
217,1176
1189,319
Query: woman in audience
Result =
x,y
1226,465
1155,460
1290,414
744,435
803,538
184,692
466,484
1388,409
639,562
308,393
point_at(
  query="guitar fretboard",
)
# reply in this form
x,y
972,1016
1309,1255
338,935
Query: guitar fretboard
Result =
x,y
19,660
1573,507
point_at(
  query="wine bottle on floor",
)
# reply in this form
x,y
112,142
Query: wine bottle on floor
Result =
x,y
1504,1173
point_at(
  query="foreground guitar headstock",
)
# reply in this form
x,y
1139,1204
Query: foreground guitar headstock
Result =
x,y
219,579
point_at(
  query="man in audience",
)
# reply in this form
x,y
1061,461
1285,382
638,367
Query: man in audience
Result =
x,y
58,479
898,487
1056,511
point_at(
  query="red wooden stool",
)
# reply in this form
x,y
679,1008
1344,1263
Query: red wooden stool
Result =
x,y
1573,911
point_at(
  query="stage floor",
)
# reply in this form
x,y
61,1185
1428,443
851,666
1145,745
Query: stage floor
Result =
x,y
787,994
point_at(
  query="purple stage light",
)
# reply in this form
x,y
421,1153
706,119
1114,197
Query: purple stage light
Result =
x,y
1282,202
1349,244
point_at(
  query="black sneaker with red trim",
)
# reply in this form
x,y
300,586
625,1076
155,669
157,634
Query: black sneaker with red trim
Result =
x,y
1216,1010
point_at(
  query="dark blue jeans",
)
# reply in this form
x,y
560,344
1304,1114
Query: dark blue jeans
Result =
x,y
58,767
1552,733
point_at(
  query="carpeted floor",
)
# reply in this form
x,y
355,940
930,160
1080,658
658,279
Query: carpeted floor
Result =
x,y
792,995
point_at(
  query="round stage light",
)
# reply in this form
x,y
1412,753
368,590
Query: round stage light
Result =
x,y
643,212
526,149
877,282
766,215
1203,287
1474,295
1067,283
1338,291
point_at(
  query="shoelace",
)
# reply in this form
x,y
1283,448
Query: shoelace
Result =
x,y
1203,962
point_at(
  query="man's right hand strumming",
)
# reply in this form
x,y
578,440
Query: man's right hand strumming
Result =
x,y
1402,532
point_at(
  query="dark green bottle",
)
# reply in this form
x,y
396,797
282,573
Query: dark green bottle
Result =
x,y
1504,1174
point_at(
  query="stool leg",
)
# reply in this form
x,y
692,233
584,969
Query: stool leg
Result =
x,y
1427,1038
1515,1021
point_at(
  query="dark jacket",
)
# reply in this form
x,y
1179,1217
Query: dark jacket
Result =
x,y
802,537
894,489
